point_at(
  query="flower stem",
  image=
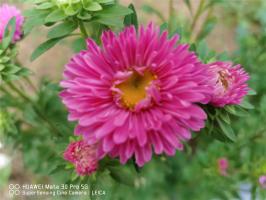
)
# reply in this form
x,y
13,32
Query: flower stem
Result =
x,y
83,29
197,15
36,109
171,14
27,79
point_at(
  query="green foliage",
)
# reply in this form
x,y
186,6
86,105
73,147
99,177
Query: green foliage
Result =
x,y
131,19
37,125
9,69
42,48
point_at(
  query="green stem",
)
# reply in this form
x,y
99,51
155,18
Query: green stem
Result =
x,y
21,94
210,12
27,79
253,192
171,14
197,15
36,109
83,29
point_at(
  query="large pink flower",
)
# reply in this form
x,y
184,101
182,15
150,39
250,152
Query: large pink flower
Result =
x,y
139,91
229,83
6,13
83,156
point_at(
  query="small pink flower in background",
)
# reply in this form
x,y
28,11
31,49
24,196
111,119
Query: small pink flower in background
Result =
x,y
7,12
137,93
229,82
262,181
83,156
223,166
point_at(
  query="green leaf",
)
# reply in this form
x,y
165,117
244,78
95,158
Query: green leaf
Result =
x,y
105,1
83,15
9,33
70,10
62,29
114,11
78,45
150,10
44,6
131,19
252,92
225,117
122,175
2,67
245,104
227,130
92,6
207,28
163,27
56,15
117,22
187,2
217,134
42,48
36,18
236,110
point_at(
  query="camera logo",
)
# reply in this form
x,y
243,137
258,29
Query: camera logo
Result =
x,y
14,189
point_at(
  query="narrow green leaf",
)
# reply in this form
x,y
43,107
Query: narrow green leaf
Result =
x,y
227,130
35,19
42,48
225,117
187,2
246,105
114,11
105,1
121,175
9,33
78,45
44,6
252,92
117,22
163,27
92,6
62,29
131,19
150,10
56,15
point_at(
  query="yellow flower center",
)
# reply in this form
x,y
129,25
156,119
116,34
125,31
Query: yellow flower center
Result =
x,y
134,88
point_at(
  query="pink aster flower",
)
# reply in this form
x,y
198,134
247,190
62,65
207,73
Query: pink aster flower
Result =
x,y
223,165
83,156
137,93
262,181
7,12
229,82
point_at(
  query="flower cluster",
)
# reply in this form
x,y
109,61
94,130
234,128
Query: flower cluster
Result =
x,y
141,92
9,69
7,12
229,83
83,156
262,181
223,165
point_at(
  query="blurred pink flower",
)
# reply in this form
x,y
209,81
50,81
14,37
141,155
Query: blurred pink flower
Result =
x,y
262,181
223,166
140,91
83,156
229,82
6,14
